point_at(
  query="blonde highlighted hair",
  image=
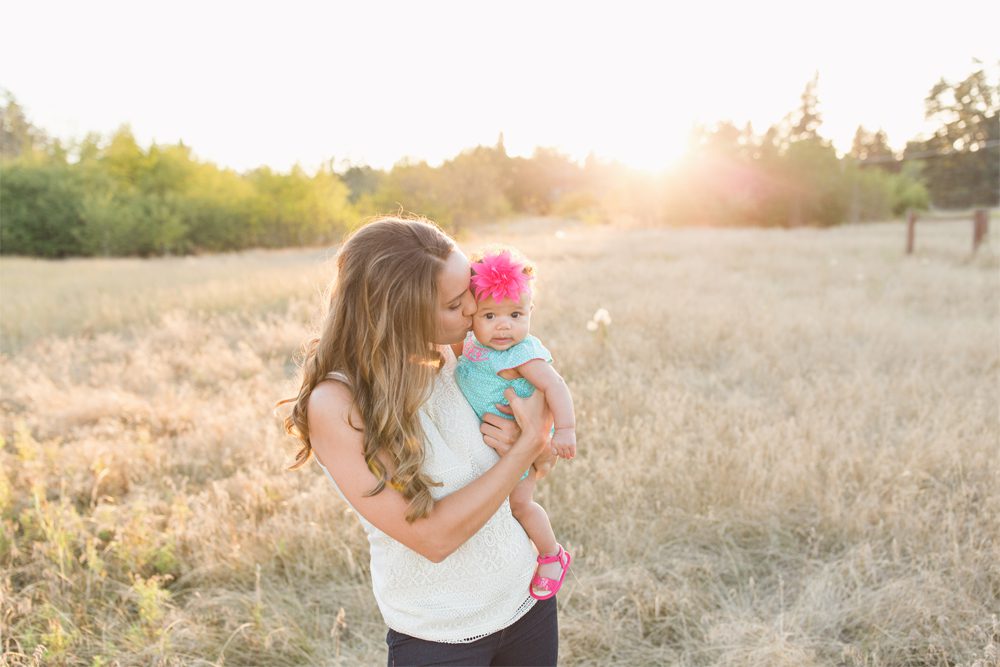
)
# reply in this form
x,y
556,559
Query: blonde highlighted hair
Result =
x,y
378,330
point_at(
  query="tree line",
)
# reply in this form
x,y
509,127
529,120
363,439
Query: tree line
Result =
x,y
111,196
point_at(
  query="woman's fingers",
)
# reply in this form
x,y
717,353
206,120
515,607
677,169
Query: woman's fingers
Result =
x,y
500,428
499,447
504,409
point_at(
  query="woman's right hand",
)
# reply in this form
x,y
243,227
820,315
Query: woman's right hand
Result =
x,y
533,416
499,432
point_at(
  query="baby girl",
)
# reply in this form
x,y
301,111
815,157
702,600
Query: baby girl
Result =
x,y
499,353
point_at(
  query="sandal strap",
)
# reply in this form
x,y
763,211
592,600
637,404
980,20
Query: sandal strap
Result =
x,y
556,558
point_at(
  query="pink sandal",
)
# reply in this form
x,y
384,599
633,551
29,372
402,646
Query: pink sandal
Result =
x,y
552,586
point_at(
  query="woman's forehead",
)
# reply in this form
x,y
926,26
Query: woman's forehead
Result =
x,y
454,277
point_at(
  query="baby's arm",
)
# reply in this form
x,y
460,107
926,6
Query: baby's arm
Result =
x,y
545,378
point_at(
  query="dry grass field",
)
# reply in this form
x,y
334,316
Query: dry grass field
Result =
x,y
789,455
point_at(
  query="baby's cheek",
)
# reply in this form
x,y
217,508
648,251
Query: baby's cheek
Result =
x,y
480,328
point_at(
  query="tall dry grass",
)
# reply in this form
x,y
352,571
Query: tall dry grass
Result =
x,y
789,455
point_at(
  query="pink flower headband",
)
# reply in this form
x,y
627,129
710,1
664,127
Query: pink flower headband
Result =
x,y
499,276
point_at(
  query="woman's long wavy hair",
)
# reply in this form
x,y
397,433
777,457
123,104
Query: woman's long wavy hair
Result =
x,y
379,331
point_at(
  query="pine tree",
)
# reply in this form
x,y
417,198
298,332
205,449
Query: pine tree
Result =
x,y
808,118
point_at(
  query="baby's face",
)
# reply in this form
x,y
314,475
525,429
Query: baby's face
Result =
x,y
502,324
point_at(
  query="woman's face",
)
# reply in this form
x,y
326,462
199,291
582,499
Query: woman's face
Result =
x,y
455,302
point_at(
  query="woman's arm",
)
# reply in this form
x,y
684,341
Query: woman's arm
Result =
x,y
453,519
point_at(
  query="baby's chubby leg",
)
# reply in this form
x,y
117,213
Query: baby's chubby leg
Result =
x,y
543,465
536,524
531,515
522,500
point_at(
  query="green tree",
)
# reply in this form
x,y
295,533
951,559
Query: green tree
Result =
x,y
361,180
961,161
809,168
39,210
298,209
537,183
873,147
909,191
18,137
718,182
111,224
219,210
414,187
816,183
477,180
123,158
135,199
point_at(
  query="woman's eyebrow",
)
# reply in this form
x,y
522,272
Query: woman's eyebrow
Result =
x,y
459,296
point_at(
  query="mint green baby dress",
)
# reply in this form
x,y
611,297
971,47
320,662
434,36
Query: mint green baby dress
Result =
x,y
477,368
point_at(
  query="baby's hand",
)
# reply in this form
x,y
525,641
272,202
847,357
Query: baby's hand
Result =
x,y
564,442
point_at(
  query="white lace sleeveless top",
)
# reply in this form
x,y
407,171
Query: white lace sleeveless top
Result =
x,y
482,587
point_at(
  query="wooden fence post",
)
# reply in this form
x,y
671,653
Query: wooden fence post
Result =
x,y
911,226
980,227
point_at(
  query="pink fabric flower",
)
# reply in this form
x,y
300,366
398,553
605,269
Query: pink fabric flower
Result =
x,y
500,277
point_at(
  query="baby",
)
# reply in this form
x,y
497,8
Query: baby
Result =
x,y
499,353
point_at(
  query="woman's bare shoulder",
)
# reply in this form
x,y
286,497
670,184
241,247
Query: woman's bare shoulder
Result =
x,y
331,403
330,392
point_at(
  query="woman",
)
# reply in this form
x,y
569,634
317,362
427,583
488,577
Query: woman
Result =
x,y
380,411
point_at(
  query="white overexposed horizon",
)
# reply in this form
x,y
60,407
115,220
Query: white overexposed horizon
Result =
x,y
372,83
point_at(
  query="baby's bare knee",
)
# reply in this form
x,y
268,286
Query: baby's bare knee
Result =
x,y
520,507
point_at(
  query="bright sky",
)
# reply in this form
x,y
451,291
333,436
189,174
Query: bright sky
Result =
x,y
247,84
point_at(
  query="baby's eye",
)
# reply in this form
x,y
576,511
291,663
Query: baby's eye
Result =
x,y
488,316
515,314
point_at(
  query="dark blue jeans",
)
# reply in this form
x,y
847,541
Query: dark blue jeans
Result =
x,y
531,640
